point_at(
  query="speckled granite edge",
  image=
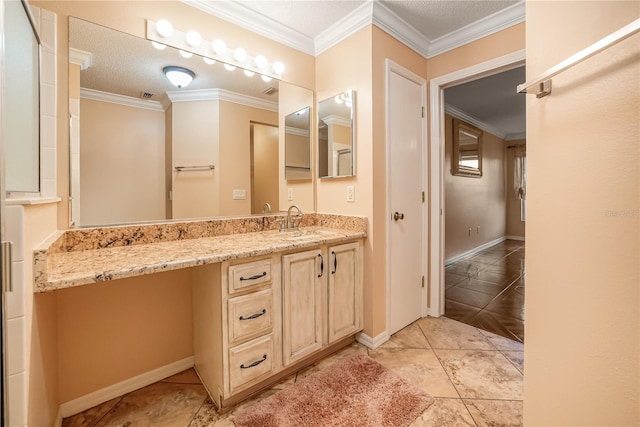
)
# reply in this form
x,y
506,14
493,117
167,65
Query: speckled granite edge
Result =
x,y
120,237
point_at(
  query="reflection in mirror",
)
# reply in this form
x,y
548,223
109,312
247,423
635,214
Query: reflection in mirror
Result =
x,y
144,150
264,176
297,143
467,150
22,94
336,136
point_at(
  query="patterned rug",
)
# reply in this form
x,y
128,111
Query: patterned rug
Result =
x,y
356,391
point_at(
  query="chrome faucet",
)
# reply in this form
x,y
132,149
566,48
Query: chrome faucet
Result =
x,y
266,208
291,220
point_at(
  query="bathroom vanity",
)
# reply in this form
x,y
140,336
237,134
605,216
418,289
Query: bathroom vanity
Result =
x,y
265,302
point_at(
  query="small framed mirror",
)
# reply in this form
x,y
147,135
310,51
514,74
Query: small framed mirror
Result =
x,y
336,136
467,150
297,145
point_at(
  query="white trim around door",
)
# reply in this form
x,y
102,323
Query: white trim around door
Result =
x,y
436,156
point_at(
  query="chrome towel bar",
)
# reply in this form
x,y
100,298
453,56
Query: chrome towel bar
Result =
x,y
194,168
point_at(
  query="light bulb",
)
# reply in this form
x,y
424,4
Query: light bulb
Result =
x,y
159,46
164,28
260,61
218,46
266,78
185,54
249,73
229,67
209,60
240,55
193,38
278,68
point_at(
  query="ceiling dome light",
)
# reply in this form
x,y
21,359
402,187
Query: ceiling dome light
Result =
x,y
240,55
164,28
180,77
229,67
219,46
260,61
193,38
185,54
209,60
159,46
249,73
278,68
266,78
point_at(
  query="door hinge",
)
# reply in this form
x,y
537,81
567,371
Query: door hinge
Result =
x,y
422,112
423,197
423,281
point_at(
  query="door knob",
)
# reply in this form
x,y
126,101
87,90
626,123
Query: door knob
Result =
x,y
397,216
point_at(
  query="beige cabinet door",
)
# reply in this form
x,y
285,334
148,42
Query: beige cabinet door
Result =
x,y
345,291
302,304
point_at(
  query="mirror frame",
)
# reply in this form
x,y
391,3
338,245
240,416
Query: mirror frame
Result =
x,y
352,118
456,168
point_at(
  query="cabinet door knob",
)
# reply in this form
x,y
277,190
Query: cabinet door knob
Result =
x,y
398,216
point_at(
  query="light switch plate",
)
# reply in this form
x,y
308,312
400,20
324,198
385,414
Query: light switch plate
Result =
x,y
289,193
239,194
351,193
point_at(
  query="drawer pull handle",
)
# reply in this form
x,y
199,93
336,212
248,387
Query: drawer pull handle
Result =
x,y
256,363
257,276
255,316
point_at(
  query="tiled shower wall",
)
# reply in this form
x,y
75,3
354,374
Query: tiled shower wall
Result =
x,y
16,314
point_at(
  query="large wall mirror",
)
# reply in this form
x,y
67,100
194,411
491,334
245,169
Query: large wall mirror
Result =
x,y
297,142
336,136
143,149
22,99
467,150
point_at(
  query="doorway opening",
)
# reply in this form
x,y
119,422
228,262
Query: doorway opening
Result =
x,y
476,258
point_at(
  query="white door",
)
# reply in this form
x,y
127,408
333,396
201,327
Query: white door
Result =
x,y
406,94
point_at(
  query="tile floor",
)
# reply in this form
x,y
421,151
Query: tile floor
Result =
x,y
487,290
475,377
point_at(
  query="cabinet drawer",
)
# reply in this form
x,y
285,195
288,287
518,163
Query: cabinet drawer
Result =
x,y
244,276
250,361
250,315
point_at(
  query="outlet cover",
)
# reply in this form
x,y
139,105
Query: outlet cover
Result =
x,y
289,193
351,193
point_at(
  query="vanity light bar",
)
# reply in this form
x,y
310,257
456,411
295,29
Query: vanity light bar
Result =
x,y
163,32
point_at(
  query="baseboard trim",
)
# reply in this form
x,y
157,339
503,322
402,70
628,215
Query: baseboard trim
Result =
x,y
373,343
474,251
97,397
519,238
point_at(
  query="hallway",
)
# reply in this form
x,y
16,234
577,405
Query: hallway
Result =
x,y
487,290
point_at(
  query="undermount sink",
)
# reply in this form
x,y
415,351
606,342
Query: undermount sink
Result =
x,y
304,234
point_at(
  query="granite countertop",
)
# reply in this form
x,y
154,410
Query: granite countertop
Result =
x,y
67,269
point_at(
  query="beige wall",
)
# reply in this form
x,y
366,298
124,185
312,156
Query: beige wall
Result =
x,y
478,204
235,143
122,163
195,140
583,235
114,331
264,181
515,227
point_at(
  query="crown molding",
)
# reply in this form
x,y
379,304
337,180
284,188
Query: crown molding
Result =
x,y
398,28
296,131
337,120
249,19
515,136
500,20
461,115
344,28
97,95
370,12
80,57
221,95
